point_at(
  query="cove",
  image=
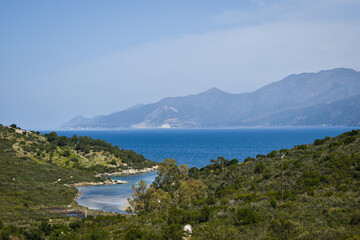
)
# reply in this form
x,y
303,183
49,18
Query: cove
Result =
x,y
112,198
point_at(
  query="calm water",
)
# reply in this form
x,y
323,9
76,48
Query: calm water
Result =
x,y
194,147
112,198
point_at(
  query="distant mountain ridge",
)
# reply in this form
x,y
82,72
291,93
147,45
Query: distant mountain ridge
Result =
x,y
306,99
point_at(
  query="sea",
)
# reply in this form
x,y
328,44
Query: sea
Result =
x,y
193,147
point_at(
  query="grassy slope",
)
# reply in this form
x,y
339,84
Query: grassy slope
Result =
x,y
74,152
34,171
27,186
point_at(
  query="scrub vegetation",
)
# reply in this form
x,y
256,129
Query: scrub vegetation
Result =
x,y
37,172
232,200
77,152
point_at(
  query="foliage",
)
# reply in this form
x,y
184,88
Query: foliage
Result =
x,y
59,150
231,200
36,171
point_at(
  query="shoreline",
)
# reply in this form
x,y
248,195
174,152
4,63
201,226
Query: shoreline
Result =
x,y
106,182
128,172
110,182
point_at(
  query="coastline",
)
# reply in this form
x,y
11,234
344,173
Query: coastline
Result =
x,y
106,182
129,172
110,182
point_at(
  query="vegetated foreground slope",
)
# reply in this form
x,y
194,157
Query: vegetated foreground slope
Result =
x,y
231,200
35,170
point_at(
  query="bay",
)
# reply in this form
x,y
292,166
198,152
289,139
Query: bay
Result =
x,y
194,147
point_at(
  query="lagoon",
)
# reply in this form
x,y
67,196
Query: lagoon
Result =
x,y
112,198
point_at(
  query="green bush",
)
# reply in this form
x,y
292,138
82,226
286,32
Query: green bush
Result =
x,y
259,168
246,216
272,154
319,142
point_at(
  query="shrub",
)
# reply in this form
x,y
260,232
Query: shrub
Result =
x,y
272,154
248,159
245,216
134,233
273,203
334,144
327,138
66,153
302,147
259,168
282,229
319,142
350,140
355,218
247,197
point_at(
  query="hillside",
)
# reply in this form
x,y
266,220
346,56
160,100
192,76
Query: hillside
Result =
x,y
36,170
215,108
75,152
231,200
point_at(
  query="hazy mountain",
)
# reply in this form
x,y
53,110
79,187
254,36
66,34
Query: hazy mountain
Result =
x,y
344,112
302,99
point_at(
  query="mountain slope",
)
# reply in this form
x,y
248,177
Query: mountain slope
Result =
x,y
215,108
342,112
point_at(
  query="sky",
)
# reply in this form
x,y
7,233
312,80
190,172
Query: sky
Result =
x,y
60,59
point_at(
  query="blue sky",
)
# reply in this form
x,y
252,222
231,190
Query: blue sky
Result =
x,y
59,59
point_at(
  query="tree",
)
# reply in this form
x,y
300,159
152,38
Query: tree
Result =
x,y
184,169
156,199
63,141
51,137
137,203
259,168
190,190
169,175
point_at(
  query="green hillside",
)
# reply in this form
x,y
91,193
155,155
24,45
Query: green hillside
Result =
x,y
76,152
36,171
231,200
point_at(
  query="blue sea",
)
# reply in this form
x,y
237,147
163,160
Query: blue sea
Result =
x,y
194,147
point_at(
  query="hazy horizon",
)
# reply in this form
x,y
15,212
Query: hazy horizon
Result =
x,y
68,58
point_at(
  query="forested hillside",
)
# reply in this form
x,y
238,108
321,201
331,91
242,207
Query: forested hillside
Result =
x,y
232,200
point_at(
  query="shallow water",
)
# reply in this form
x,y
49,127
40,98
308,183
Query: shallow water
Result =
x,y
112,198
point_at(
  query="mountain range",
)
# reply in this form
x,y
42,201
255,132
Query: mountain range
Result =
x,y
326,98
